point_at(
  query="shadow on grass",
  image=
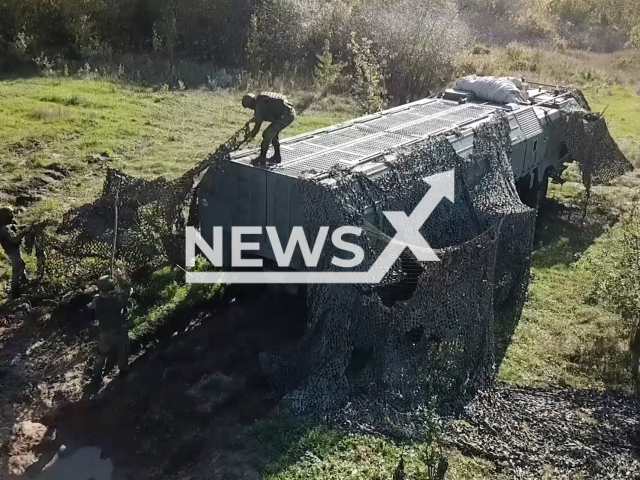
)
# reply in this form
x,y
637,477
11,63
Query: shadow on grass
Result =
x,y
164,305
563,231
283,439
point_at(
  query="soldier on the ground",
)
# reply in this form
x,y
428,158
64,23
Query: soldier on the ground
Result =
x,y
10,238
274,108
110,306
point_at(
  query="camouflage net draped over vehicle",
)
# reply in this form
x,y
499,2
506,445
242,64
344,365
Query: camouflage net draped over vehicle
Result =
x,y
590,144
427,332
432,333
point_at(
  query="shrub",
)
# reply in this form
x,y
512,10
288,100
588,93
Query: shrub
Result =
x,y
634,37
327,70
480,49
277,35
368,79
422,40
417,40
620,287
521,58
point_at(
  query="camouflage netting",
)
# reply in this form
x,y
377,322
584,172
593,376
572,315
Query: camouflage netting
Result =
x,y
431,333
150,216
151,220
428,331
590,144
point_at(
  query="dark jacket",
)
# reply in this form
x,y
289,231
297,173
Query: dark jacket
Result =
x,y
110,310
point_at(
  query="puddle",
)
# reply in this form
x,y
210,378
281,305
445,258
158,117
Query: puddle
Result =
x,y
83,464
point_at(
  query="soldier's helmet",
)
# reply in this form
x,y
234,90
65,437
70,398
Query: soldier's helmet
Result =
x,y
6,215
105,283
249,100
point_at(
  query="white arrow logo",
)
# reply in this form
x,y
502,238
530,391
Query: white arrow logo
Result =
x,y
407,236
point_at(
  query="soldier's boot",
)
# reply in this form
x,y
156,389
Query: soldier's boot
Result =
x,y
262,158
277,158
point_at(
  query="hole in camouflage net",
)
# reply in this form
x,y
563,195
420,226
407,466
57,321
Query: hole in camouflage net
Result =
x,y
360,358
415,335
405,288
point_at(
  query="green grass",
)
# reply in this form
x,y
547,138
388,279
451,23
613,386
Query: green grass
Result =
x,y
563,338
621,106
166,296
295,449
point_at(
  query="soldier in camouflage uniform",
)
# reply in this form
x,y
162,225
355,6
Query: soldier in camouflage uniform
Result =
x,y
110,306
274,108
10,238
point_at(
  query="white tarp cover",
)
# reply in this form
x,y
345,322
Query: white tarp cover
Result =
x,y
495,89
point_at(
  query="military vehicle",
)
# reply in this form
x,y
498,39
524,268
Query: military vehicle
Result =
x,y
247,195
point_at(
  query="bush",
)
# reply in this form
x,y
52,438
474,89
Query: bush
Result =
x,y
480,49
417,40
368,80
327,70
521,58
422,41
604,26
278,35
620,287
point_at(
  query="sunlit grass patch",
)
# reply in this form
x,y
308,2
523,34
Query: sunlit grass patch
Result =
x,y
293,448
165,294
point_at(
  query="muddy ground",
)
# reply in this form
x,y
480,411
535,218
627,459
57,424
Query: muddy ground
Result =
x,y
188,394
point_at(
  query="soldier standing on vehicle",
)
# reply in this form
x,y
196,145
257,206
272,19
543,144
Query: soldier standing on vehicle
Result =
x,y
110,307
274,108
10,238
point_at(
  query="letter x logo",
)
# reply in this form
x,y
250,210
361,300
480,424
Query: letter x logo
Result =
x,y
407,236
408,227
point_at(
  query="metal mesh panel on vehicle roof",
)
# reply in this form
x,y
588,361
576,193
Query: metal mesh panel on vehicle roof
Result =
x,y
425,128
245,159
319,163
301,149
470,112
433,108
341,136
392,120
379,143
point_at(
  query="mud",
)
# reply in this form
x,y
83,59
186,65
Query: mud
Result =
x,y
195,394
23,194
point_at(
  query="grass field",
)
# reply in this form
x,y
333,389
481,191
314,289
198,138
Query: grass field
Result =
x,y
563,337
